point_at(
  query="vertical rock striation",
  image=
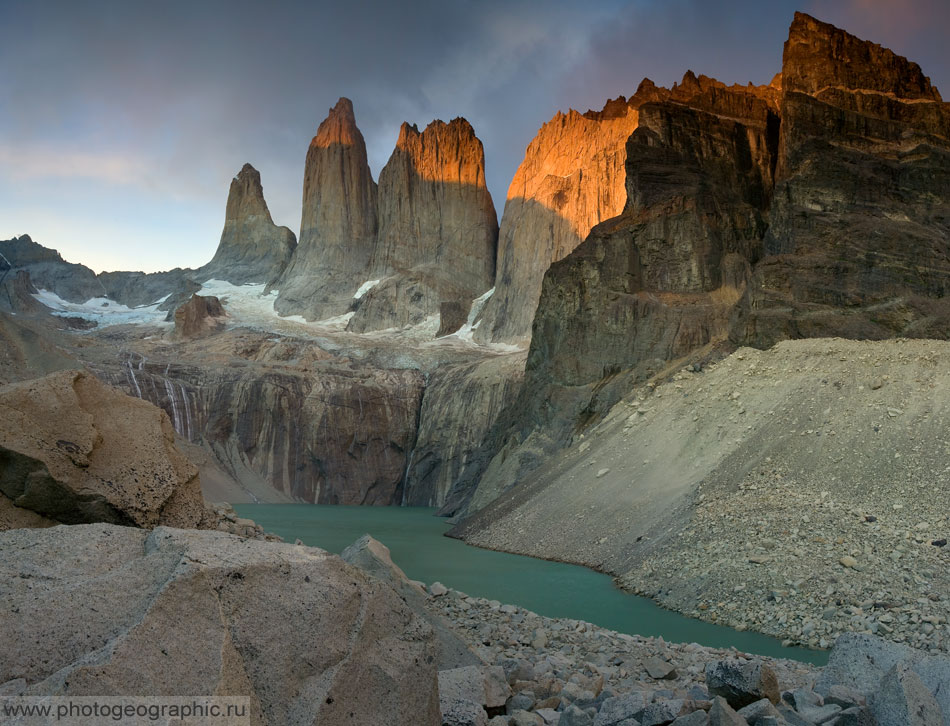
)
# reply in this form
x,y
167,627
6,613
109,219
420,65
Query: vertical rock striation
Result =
x,y
437,227
252,248
338,222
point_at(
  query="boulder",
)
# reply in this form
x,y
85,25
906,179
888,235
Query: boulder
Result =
x,y
659,669
200,316
696,718
575,716
108,610
902,698
741,682
860,662
621,710
75,450
469,694
722,714
461,712
373,557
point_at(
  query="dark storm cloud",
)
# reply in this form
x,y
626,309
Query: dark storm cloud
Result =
x,y
111,111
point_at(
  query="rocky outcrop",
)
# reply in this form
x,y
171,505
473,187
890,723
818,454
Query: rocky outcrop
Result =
x,y
338,223
373,558
75,450
48,270
815,206
292,628
857,243
437,227
252,248
169,289
571,179
200,316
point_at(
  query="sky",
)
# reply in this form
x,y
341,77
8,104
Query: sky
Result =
x,y
123,122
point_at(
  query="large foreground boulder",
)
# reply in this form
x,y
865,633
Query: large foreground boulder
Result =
x,y
106,610
373,557
895,678
75,450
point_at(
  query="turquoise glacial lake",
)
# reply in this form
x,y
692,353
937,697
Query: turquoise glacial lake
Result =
x,y
554,589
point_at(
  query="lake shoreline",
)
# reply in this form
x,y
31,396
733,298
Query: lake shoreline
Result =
x,y
554,589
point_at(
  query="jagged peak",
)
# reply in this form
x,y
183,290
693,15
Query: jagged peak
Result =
x,y
819,55
339,127
246,170
246,195
614,108
436,128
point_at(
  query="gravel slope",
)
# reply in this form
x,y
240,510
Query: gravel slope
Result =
x,y
796,491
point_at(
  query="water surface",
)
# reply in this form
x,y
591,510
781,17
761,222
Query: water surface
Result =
x,y
415,538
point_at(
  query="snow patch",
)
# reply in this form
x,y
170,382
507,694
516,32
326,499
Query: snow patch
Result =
x,y
338,321
365,288
467,331
103,311
247,303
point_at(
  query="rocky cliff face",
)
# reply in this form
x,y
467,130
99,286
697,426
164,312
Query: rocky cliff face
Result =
x,y
857,244
284,413
817,206
338,223
437,227
252,247
460,405
571,179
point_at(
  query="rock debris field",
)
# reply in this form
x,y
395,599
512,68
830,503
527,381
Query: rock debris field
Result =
x,y
799,491
558,672
832,515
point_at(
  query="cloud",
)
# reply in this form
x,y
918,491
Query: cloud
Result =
x,y
34,163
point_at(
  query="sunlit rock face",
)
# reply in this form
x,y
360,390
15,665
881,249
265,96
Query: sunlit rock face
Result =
x,y
572,178
338,222
252,248
816,206
437,227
